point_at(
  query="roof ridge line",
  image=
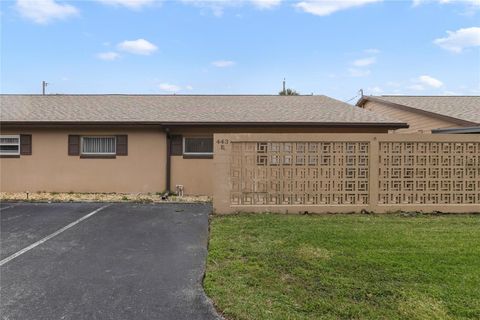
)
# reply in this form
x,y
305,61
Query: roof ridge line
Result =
x,y
426,96
156,95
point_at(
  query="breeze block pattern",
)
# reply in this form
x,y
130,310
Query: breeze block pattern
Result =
x,y
297,173
311,173
429,173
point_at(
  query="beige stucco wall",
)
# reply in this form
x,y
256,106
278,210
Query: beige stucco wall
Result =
x,y
194,174
49,168
419,123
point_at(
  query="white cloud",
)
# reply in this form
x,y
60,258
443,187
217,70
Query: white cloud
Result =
x,y
189,87
108,56
265,4
424,82
393,84
417,87
470,6
44,11
375,90
139,46
458,40
354,72
420,83
326,7
430,81
417,2
217,10
218,6
372,51
223,63
360,65
130,4
473,3
364,62
169,87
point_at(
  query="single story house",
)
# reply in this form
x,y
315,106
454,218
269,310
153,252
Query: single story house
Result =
x,y
428,114
149,143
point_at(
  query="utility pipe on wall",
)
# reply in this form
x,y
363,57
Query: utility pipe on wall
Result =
x,y
168,162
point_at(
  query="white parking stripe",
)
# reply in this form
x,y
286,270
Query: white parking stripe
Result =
x,y
33,245
7,207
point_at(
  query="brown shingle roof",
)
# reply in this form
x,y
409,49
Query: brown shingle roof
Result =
x,y
466,108
184,109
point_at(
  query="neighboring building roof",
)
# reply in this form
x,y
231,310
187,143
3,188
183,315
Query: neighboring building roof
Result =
x,y
182,109
467,130
463,108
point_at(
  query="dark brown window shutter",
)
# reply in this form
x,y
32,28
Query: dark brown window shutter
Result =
x,y
73,145
25,144
176,145
122,145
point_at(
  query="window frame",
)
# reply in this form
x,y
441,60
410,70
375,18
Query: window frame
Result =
x,y
17,136
184,147
93,154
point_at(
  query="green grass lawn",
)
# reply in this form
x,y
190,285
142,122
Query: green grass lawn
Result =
x,y
266,266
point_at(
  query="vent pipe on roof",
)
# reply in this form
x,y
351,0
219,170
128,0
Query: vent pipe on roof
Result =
x,y
284,86
44,86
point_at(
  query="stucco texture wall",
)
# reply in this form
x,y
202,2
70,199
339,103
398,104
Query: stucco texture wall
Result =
x,y
50,168
196,175
143,170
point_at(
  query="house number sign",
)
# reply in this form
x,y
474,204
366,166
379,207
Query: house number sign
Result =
x,y
222,143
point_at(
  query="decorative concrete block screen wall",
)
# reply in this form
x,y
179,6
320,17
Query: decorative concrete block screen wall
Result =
x,y
297,173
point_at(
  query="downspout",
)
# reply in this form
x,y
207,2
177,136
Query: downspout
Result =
x,y
168,163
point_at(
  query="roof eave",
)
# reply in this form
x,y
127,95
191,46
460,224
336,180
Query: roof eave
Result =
x,y
464,130
393,125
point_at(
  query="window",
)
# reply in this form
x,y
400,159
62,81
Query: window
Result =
x,y
198,146
98,146
10,145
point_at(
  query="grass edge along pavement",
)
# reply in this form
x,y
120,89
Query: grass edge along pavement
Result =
x,y
271,266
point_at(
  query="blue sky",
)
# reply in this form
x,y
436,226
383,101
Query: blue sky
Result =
x,y
241,46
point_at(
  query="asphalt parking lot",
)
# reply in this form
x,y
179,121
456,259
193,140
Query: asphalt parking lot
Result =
x,y
125,261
